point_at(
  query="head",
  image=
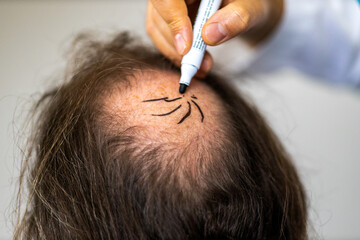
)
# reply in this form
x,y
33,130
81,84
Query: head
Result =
x,y
119,153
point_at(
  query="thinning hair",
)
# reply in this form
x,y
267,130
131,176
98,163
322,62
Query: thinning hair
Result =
x,y
89,180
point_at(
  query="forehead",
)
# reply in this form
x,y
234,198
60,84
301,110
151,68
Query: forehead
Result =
x,y
152,101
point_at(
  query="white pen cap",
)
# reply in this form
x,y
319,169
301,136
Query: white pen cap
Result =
x,y
188,71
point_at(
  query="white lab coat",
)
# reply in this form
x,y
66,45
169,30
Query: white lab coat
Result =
x,y
318,37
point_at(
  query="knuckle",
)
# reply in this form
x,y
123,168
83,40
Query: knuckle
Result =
x,y
243,16
175,25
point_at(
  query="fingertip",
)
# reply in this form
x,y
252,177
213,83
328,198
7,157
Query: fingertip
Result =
x,y
183,38
214,33
180,43
188,35
207,63
188,47
228,22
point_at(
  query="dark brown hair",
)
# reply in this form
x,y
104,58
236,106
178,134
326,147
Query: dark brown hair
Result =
x,y
86,182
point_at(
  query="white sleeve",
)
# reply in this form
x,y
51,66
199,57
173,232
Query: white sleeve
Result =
x,y
317,37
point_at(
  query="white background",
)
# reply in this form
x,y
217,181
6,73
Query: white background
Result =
x,y
318,124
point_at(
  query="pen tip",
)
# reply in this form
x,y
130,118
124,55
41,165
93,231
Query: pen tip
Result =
x,y
182,88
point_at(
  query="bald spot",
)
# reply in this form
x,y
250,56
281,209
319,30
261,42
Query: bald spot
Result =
x,y
193,142
128,103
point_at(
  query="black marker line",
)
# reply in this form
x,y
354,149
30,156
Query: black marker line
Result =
x,y
157,99
172,100
164,114
187,114
193,96
198,107
166,99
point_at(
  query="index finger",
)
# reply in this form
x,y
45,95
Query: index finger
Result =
x,y
175,14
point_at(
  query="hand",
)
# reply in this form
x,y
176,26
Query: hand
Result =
x,y
169,25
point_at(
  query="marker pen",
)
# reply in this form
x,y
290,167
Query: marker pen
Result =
x,y
191,62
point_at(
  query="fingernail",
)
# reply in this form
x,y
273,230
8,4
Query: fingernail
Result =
x,y
215,32
180,43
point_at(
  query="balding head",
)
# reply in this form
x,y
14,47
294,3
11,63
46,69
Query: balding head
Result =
x,y
150,100
120,154
187,130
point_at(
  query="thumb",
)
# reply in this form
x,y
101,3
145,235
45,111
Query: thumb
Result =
x,y
233,19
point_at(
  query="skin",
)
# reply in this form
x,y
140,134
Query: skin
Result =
x,y
166,99
169,25
153,93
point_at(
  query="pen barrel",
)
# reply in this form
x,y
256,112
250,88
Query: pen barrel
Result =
x,y
196,54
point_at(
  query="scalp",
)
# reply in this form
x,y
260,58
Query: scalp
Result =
x,y
163,121
185,146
